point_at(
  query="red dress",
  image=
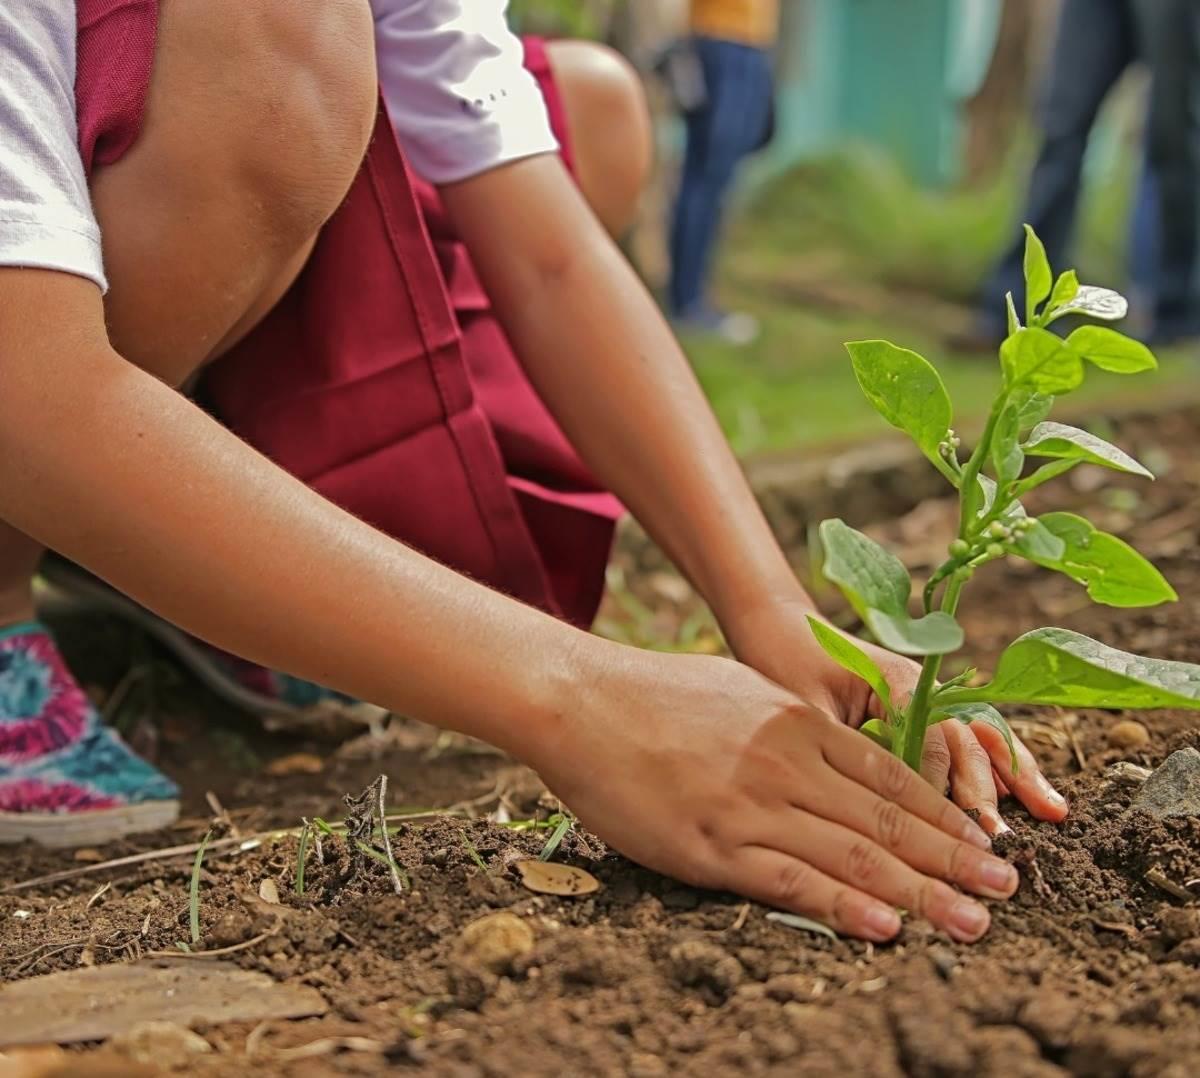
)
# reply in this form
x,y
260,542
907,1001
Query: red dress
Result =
x,y
383,379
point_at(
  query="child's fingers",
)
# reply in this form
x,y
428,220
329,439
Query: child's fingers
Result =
x,y
935,760
886,775
1028,785
779,880
971,783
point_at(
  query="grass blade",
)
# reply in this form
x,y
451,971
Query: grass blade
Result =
x,y
194,889
565,823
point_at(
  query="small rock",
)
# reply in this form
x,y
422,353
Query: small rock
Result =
x,y
1188,951
162,1043
1128,735
1128,774
697,964
496,941
1174,789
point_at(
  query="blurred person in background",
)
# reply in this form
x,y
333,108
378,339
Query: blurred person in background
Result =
x,y
731,41
1097,40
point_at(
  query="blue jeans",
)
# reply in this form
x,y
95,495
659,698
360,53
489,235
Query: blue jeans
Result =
x,y
1094,46
733,122
1097,41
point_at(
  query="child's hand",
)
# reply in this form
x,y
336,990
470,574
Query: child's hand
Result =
x,y
971,761
704,769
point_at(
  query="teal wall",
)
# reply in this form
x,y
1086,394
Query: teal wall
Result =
x,y
891,73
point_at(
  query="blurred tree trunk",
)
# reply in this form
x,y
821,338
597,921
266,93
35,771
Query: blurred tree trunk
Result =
x,y
996,112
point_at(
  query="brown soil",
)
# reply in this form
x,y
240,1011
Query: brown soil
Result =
x,y
1092,969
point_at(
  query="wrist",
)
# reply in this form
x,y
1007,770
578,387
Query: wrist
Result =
x,y
750,622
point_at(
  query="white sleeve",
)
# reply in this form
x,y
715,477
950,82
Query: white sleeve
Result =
x,y
46,218
456,87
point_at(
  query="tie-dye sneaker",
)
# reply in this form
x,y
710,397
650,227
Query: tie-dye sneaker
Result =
x,y
66,779
283,703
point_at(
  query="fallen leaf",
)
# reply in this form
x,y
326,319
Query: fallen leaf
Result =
x,y
269,892
552,878
298,763
804,924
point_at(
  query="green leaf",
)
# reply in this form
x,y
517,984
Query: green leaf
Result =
x,y
1111,351
1112,571
1032,407
1057,666
1040,360
1007,456
844,652
1092,302
1066,288
1040,544
870,577
934,634
985,713
1014,320
1043,475
1070,443
879,732
1038,277
878,587
906,390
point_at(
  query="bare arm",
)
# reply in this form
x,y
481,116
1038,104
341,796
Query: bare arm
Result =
x,y
106,464
608,366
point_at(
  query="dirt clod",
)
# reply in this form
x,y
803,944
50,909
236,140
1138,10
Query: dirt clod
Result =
x,y
495,942
1129,734
163,1044
697,964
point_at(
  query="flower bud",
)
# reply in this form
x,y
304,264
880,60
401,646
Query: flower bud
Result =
x,y
994,550
960,548
997,530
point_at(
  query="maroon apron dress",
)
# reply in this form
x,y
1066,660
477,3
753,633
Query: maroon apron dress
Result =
x,y
382,378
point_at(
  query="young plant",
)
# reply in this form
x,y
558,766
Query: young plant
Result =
x,y
1019,450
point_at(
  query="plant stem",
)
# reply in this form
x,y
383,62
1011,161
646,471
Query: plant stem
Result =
x,y
967,524
912,742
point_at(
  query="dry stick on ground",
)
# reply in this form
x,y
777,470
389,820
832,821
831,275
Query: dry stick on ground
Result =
x,y
245,945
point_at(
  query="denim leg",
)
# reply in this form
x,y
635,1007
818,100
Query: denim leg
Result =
x,y
1093,47
1169,34
730,126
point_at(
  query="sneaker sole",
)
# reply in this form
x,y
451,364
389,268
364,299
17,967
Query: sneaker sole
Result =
x,y
65,589
57,830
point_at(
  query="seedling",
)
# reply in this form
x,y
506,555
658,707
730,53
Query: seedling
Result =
x,y
562,823
1019,450
194,890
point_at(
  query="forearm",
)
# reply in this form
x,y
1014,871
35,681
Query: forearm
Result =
x,y
111,467
607,365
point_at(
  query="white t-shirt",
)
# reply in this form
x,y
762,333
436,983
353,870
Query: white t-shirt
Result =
x,y
46,216
455,83
452,74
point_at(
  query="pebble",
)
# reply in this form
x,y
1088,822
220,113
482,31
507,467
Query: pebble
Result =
x,y
1174,789
1128,734
496,941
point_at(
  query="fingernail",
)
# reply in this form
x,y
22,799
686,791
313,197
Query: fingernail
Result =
x,y
969,918
998,876
976,835
881,923
995,822
1049,791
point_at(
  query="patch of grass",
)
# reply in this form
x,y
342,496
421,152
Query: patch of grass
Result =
x,y
851,250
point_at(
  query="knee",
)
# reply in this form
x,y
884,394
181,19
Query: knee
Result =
x,y
610,127
306,88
